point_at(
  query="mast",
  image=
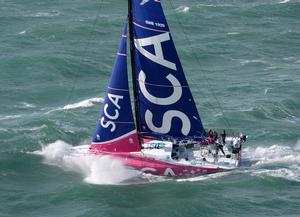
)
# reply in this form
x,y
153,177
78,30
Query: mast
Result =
x,y
133,72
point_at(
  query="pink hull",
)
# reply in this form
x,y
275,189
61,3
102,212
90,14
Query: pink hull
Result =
x,y
156,167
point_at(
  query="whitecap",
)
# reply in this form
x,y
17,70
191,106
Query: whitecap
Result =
x,y
233,33
243,62
25,105
22,32
47,14
284,1
84,103
182,9
9,117
249,109
28,105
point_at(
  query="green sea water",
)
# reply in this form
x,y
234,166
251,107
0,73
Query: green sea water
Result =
x,y
242,61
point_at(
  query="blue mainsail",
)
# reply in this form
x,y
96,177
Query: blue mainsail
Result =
x,y
116,121
166,105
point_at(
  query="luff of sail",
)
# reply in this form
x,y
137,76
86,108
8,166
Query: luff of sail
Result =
x,y
165,101
115,131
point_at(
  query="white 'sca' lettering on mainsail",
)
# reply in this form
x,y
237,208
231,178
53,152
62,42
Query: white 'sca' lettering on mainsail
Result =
x,y
176,95
167,120
158,57
156,41
114,99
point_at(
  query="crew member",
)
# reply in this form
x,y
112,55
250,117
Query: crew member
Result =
x,y
210,136
223,136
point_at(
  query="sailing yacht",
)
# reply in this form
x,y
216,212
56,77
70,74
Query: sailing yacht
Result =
x,y
164,135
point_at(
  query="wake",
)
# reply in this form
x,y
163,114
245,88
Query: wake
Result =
x,y
276,161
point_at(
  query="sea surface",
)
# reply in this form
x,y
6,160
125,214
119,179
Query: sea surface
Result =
x,y
242,61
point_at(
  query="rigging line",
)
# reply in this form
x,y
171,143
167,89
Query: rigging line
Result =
x,y
197,59
91,34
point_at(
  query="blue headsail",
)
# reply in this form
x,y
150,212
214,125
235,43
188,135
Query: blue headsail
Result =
x,y
165,101
115,129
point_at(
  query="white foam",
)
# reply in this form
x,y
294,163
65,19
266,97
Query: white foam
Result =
x,y
283,1
182,9
22,32
272,154
233,33
28,105
248,109
201,178
47,14
95,170
9,117
291,173
83,104
25,105
284,159
251,61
